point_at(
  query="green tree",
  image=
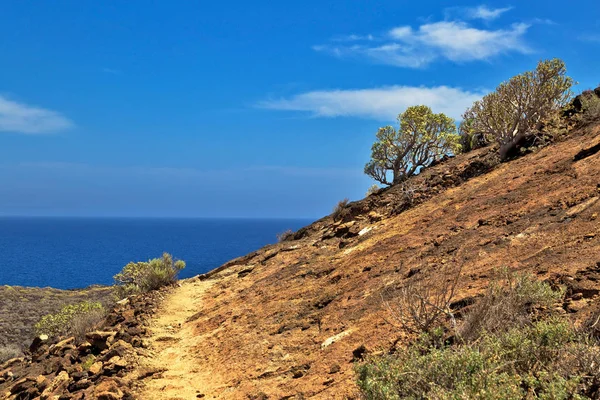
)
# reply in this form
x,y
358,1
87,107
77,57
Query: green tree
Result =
x,y
421,139
519,107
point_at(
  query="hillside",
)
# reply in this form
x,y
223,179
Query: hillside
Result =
x,y
288,320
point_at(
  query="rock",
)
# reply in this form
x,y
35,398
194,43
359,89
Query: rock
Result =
x,y
108,390
22,385
56,348
108,396
37,343
114,365
359,353
84,347
100,340
148,372
335,368
123,302
41,382
120,348
80,385
58,384
95,368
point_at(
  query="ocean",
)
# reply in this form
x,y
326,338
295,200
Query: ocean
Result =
x,y
69,253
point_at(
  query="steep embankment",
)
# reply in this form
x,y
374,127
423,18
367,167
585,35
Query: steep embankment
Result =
x,y
288,320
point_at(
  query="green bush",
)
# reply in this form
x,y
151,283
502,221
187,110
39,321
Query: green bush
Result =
x,y
141,277
514,349
531,362
73,319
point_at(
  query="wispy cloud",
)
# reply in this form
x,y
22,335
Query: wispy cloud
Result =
x,y
457,41
22,118
485,13
379,103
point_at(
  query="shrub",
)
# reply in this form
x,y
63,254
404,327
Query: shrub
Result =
x,y
283,236
519,107
74,319
520,363
590,108
515,353
511,301
9,352
424,304
421,139
373,189
142,277
340,211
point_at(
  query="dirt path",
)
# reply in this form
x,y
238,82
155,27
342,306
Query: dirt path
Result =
x,y
172,347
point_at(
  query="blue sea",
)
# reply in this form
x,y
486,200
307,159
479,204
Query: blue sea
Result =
x,y
70,253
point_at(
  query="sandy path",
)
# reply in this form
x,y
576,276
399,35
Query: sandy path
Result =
x,y
172,347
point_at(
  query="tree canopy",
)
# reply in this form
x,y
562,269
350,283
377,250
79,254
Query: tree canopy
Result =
x,y
518,107
421,139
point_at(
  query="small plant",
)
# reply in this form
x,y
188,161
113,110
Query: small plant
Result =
x,y
74,319
9,352
88,362
142,277
512,300
340,211
423,305
284,236
373,189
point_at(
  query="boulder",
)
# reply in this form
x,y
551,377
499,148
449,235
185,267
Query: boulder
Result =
x,y
57,386
108,390
100,340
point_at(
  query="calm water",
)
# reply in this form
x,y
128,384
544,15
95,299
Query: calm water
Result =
x,y
76,252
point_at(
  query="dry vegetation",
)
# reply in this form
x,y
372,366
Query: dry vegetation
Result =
x,y
511,345
21,308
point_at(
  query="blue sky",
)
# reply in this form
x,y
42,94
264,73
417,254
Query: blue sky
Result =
x,y
244,109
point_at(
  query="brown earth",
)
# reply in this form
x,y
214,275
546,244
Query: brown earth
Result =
x,y
289,320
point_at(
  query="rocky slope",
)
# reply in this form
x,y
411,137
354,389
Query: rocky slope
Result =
x,y
289,320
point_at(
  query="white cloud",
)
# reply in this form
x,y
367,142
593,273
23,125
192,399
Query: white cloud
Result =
x,y
383,103
456,41
485,13
22,118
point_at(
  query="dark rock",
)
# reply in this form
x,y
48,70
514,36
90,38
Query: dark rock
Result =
x,y
358,354
335,368
22,385
99,340
37,343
